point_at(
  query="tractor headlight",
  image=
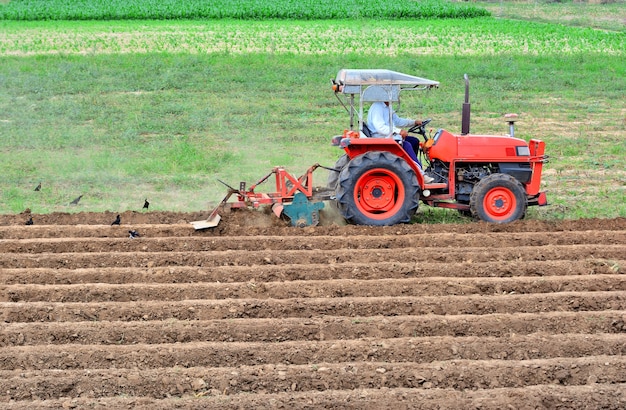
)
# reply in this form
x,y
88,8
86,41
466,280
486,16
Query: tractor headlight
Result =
x,y
522,151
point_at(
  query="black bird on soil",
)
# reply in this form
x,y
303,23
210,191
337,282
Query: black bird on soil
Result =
x,y
75,201
146,204
117,221
38,187
30,221
133,234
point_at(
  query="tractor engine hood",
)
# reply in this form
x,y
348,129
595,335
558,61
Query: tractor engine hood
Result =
x,y
449,147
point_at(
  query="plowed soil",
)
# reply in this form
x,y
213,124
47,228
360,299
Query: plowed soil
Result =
x,y
258,314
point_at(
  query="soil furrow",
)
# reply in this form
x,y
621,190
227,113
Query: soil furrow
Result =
x,y
272,243
257,314
306,308
591,396
246,223
339,288
273,273
305,257
180,381
236,354
324,328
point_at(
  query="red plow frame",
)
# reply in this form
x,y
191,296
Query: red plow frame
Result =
x,y
287,188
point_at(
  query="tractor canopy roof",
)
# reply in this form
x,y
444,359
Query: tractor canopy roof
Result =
x,y
355,77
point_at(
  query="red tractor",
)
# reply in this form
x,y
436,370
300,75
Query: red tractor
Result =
x,y
492,178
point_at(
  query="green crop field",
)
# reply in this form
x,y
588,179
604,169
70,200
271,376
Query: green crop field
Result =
x,y
235,9
120,107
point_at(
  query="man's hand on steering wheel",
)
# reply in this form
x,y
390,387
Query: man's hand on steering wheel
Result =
x,y
420,127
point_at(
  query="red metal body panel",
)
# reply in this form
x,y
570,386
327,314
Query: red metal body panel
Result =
x,y
445,148
489,148
357,146
537,150
476,148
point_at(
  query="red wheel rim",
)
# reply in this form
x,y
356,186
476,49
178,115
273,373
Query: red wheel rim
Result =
x,y
379,193
500,203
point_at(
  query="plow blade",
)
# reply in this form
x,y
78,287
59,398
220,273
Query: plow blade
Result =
x,y
214,218
212,222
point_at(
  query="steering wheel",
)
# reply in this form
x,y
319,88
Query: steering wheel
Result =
x,y
420,129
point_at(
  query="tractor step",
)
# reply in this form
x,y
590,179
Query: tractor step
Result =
x,y
437,185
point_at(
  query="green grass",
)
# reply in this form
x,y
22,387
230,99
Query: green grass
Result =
x,y
120,111
598,14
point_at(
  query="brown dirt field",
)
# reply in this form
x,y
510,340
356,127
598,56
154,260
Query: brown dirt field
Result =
x,y
258,314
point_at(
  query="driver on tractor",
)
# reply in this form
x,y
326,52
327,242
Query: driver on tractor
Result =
x,y
378,127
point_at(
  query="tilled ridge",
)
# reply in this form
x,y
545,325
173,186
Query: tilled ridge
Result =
x,y
180,381
311,329
306,308
237,354
310,289
287,272
597,396
245,223
299,257
322,242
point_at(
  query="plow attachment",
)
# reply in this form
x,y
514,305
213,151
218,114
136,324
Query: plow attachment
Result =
x,y
303,213
294,197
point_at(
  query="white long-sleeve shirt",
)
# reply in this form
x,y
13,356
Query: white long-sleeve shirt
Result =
x,y
378,121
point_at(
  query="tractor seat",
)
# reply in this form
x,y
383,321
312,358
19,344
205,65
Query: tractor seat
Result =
x,y
366,130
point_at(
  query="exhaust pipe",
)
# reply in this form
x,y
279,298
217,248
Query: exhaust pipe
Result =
x,y
465,118
510,119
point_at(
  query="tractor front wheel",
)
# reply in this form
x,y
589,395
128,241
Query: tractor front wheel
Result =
x,y
377,188
498,198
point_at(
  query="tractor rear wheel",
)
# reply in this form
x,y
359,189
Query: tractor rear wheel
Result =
x,y
377,188
498,198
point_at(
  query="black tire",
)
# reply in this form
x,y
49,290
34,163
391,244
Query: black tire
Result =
x,y
333,176
498,198
377,188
